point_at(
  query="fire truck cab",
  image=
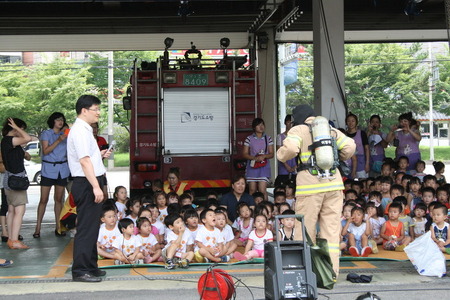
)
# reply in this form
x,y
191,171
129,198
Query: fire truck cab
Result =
x,y
191,113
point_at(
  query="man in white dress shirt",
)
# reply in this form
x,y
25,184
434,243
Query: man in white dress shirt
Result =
x,y
87,170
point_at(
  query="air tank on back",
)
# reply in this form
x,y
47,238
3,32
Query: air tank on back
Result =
x,y
324,152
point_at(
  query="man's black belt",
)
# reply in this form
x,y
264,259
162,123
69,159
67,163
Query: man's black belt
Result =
x,y
55,162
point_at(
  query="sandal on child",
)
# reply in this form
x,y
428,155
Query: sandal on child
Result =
x,y
6,264
4,239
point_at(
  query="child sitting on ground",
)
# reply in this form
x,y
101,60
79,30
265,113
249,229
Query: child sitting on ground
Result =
x,y
442,196
396,191
290,194
440,230
120,198
376,220
156,223
258,197
227,232
178,250
420,168
286,232
243,225
161,204
430,181
405,219
172,197
126,245
402,165
386,183
419,221
209,241
279,197
256,240
346,215
185,199
439,168
428,196
392,231
149,244
191,220
282,207
133,207
414,190
108,233
375,197
358,233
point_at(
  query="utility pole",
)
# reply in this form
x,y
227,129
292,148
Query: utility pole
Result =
x,y
110,105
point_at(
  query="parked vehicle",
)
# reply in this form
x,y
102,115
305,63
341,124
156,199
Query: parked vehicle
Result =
x,y
33,147
33,171
190,113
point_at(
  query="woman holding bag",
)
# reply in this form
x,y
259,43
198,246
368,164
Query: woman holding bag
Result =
x,y
14,136
258,149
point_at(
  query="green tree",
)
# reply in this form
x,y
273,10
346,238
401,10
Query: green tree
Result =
x,y
123,65
34,92
384,79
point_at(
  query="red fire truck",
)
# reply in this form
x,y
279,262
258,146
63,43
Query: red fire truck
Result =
x,y
190,113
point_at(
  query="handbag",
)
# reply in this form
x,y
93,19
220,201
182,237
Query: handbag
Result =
x,y
321,263
18,183
259,164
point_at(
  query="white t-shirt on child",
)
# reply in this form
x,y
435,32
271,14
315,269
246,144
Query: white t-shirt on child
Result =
x,y
107,237
194,232
160,226
376,224
121,208
185,241
147,242
291,202
127,247
132,219
209,238
357,231
227,233
162,214
245,231
259,241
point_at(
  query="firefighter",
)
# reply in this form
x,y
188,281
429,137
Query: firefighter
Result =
x,y
318,199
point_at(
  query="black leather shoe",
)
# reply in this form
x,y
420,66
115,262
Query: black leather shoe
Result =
x,y
86,278
98,273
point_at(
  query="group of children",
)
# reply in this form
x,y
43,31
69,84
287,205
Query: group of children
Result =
x,y
395,208
171,229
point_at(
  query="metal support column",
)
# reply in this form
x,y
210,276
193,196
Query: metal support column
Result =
x,y
328,37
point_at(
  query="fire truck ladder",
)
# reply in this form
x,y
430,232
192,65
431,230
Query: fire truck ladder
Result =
x,y
146,116
245,103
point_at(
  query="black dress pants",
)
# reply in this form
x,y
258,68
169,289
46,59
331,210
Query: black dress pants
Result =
x,y
88,223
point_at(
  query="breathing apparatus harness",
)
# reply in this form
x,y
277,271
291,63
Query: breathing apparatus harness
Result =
x,y
324,158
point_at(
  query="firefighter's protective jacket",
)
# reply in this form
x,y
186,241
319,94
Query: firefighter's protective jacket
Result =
x,y
298,140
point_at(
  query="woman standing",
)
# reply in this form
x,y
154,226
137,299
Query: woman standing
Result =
x,y
362,168
14,136
258,149
55,169
286,170
406,137
377,143
237,194
174,184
